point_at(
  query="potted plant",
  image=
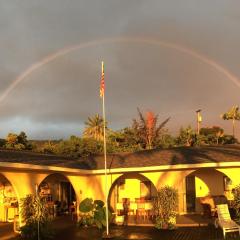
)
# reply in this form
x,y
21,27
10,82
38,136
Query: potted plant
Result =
x,y
165,207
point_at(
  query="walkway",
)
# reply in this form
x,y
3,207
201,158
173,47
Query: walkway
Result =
x,y
66,229
6,231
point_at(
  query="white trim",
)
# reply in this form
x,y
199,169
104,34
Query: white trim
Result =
x,y
23,166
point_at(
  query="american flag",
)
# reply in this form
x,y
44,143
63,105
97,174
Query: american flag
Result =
x,y
102,84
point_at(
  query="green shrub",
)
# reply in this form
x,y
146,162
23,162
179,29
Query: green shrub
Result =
x,y
35,213
236,202
165,207
93,213
30,231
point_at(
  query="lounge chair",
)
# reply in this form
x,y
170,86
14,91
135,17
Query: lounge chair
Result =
x,y
224,220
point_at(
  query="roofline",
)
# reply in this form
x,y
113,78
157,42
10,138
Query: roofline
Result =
x,y
23,166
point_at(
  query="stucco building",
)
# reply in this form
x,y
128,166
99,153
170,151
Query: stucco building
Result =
x,y
194,172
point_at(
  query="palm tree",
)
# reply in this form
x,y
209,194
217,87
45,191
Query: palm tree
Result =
x,y
233,114
147,128
94,128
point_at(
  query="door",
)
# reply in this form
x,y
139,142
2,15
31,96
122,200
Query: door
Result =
x,y
190,194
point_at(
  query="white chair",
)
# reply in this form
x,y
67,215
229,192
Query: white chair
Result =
x,y
224,220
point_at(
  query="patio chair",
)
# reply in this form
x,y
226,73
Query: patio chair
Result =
x,y
141,211
119,208
132,208
149,210
224,220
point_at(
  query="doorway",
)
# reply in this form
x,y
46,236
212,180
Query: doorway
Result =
x,y
190,194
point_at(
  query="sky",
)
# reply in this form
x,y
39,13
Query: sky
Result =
x,y
169,57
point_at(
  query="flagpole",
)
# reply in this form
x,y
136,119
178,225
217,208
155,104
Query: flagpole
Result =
x,y
105,155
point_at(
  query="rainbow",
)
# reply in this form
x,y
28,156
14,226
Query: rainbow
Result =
x,y
221,69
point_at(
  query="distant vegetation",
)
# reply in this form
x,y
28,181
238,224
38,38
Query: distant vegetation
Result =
x,y
145,133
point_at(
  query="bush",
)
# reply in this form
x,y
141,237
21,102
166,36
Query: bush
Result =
x,y
34,212
236,202
93,213
165,207
30,231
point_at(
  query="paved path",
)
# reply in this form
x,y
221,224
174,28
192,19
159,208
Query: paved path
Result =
x,y
6,231
67,230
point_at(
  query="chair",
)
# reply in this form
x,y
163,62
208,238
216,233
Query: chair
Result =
x,y
149,209
133,208
209,208
224,220
141,211
119,208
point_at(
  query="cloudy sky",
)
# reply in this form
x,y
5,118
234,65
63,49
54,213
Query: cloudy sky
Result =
x,y
171,57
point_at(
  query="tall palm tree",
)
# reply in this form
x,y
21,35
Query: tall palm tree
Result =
x,y
94,128
147,128
233,114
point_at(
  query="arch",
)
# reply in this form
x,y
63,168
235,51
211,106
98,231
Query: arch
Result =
x,y
58,191
9,199
202,183
131,187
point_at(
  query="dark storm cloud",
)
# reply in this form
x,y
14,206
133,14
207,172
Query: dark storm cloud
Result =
x,y
55,100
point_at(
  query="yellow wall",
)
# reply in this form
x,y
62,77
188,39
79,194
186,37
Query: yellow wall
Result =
x,y
93,186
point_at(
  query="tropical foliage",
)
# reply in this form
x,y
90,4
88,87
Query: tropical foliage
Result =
x,y
213,135
165,207
36,217
19,142
186,137
93,213
236,202
147,129
144,133
78,147
234,115
94,128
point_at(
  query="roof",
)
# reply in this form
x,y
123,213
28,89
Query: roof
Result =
x,y
147,158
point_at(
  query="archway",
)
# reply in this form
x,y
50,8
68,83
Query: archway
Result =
x,y
206,185
59,194
137,192
9,206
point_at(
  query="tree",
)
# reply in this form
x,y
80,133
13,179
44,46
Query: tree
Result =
x,y
124,140
78,147
186,137
94,128
11,140
147,128
166,140
22,138
36,216
48,147
213,134
19,142
233,114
